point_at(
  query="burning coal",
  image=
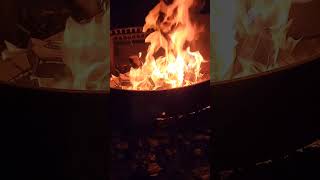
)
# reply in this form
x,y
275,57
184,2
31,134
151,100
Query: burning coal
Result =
x,y
170,61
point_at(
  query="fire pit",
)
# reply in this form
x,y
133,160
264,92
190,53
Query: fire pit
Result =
x,y
160,117
170,61
168,74
265,116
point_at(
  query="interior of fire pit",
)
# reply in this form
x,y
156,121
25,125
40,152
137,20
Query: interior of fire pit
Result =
x,y
62,44
165,51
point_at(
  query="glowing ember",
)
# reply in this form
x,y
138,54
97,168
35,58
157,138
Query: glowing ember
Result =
x,y
173,33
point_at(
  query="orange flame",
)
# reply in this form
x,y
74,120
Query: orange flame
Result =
x,y
173,32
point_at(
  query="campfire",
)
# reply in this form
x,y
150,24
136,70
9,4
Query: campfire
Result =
x,y
171,60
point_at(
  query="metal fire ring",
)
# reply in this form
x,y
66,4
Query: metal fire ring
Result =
x,y
128,34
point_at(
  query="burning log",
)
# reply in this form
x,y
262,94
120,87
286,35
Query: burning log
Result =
x,y
15,63
135,62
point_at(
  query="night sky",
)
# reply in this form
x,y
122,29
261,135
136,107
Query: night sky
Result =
x,y
131,13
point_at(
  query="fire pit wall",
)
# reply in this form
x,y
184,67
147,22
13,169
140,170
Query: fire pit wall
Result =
x,y
266,115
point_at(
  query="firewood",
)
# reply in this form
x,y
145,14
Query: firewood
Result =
x,y
14,66
135,61
44,82
46,50
8,71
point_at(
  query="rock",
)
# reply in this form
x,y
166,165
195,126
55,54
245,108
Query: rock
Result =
x,y
314,146
154,169
135,61
202,173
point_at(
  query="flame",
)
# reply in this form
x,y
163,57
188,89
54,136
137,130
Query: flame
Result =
x,y
173,33
86,52
257,36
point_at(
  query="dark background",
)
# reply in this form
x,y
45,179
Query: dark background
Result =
x,y
29,14
132,13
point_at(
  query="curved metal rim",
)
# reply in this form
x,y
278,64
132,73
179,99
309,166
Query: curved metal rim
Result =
x,y
218,83
159,91
56,90
267,73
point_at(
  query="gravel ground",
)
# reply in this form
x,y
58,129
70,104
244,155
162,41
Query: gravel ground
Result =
x,y
184,154
162,154
301,164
